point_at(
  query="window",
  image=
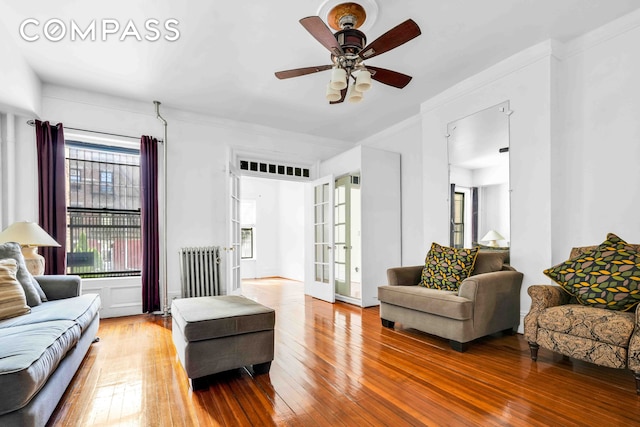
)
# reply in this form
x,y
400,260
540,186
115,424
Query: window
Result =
x,y
103,210
246,243
247,232
106,182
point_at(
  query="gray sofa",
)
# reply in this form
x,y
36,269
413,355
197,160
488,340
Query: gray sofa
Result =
x,y
40,352
488,301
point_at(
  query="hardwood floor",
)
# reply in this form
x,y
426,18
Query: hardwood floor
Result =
x,y
336,365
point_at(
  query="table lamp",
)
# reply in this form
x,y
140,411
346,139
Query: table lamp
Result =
x,y
29,236
492,238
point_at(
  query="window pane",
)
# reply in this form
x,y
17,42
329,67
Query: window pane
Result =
x,y
246,243
103,215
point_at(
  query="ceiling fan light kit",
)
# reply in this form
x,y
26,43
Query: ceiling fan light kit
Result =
x,y
355,95
349,48
332,95
363,81
338,78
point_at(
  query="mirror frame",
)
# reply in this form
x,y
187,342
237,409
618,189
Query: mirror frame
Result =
x,y
503,108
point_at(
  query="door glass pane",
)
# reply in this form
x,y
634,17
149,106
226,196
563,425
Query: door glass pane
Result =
x,y
340,234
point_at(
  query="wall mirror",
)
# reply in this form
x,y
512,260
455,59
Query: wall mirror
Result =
x,y
478,151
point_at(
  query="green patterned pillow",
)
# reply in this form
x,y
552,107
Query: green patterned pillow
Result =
x,y
605,277
445,268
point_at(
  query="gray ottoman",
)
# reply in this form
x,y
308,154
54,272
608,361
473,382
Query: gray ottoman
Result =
x,y
215,334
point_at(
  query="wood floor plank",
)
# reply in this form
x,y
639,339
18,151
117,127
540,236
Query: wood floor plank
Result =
x,y
335,365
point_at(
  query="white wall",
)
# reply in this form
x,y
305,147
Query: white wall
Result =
x,y
279,228
198,149
292,224
21,88
494,211
18,170
406,138
596,156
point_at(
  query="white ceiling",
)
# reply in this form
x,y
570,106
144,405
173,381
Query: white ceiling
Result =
x,y
224,60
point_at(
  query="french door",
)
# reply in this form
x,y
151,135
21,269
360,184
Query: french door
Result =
x,y
233,244
320,257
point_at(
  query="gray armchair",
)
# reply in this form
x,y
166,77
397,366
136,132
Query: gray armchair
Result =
x,y
486,302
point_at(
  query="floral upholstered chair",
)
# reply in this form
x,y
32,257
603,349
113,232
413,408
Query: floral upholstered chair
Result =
x,y
593,315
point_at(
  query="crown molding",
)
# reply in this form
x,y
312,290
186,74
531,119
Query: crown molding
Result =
x,y
501,69
134,106
602,34
548,48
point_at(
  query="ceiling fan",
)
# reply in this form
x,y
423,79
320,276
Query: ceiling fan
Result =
x,y
349,49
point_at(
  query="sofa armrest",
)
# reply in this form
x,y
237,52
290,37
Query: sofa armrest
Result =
x,y
542,297
60,286
496,300
633,361
404,276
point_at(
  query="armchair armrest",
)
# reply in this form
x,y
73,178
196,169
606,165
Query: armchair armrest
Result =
x,y
634,350
60,286
496,298
542,297
404,276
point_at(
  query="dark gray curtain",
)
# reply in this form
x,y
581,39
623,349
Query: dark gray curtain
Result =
x,y
452,208
52,209
149,224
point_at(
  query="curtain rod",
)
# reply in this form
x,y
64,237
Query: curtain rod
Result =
x,y
33,123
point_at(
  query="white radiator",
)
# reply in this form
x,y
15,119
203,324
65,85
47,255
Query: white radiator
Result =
x,y
200,271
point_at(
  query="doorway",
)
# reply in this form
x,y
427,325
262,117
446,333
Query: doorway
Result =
x,y
272,223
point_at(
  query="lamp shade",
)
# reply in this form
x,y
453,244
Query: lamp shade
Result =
x,y
492,237
338,78
332,95
27,234
355,95
363,81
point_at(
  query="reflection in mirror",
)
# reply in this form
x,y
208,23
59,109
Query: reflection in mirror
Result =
x,y
478,150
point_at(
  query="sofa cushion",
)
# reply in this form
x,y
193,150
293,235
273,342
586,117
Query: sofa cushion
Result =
x,y
32,289
445,268
81,310
606,277
442,303
598,324
204,318
28,356
12,300
488,262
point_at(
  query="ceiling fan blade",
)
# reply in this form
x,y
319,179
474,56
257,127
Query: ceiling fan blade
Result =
x,y
393,38
287,74
343,95
389,77
318,29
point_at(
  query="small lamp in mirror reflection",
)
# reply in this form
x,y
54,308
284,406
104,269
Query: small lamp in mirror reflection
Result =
x,y
492,238
29,236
